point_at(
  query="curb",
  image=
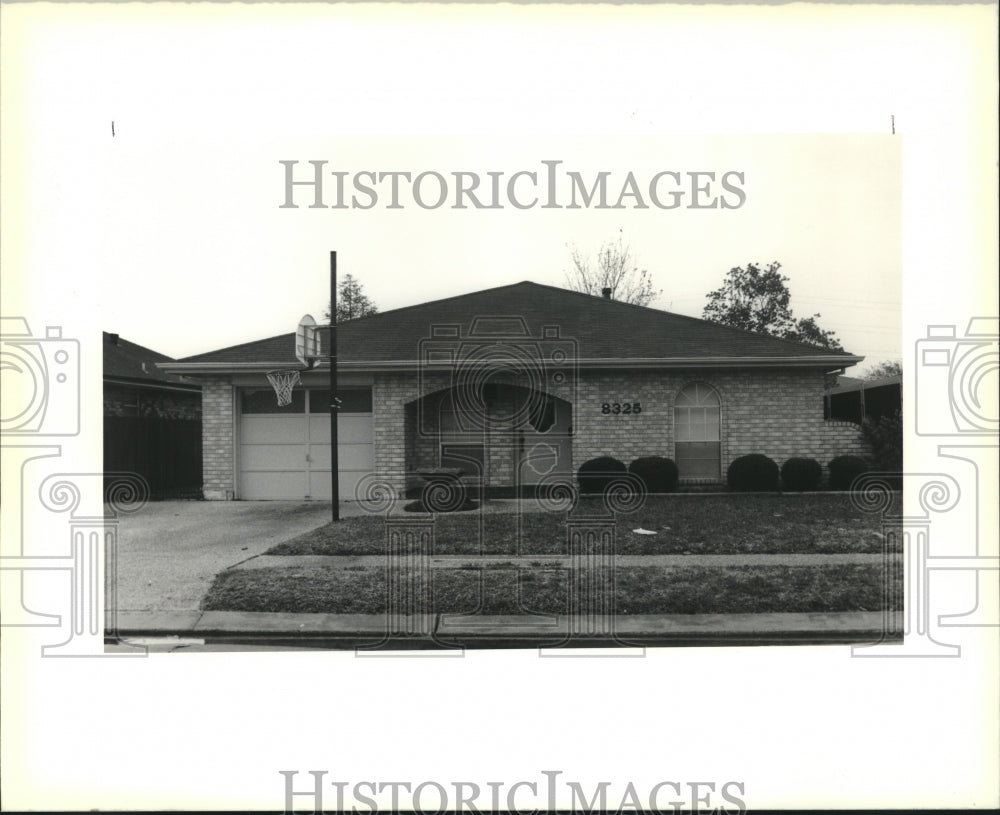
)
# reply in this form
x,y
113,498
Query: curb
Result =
x,y
350,630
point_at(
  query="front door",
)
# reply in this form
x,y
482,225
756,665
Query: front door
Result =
x,y
545,447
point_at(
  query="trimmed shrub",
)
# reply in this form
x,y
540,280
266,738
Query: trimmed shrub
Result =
x,y
594,475
659,474
886,440
752,473
800,474
844,469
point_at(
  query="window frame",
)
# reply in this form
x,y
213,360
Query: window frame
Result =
x,y
698,396
302,402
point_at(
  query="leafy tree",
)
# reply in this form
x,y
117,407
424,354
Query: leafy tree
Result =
x,y
808,331
352,302
883,370
756,299
614,268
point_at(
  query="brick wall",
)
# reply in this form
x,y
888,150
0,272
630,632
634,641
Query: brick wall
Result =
x,y
500,456
775,412
841,439
217,428
391,394
623,436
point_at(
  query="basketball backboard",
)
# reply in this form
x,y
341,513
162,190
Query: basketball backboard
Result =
x,y
307,342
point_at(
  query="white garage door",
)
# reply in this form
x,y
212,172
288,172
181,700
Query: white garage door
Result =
x,y
285,452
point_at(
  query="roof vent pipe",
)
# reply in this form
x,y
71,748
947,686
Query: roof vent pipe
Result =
x,y
606,291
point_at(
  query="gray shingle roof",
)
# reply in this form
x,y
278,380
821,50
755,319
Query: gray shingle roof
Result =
x,y
124,360
604,330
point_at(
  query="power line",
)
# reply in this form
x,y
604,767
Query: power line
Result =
x,y
867,304
850,303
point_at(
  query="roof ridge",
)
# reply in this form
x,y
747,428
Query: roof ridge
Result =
x,y
439,300
548,286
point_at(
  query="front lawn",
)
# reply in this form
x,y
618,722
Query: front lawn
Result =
x,y
685,524
639,590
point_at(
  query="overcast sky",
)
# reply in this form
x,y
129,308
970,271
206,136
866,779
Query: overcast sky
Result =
x,y
204,236
190,251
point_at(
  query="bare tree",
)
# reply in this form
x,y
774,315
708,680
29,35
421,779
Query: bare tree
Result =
x,y
614,268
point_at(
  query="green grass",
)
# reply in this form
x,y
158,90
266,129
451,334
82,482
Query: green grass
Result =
x,y
639,590
689,524
685,524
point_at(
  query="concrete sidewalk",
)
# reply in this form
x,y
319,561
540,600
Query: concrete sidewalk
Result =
x,y
339,631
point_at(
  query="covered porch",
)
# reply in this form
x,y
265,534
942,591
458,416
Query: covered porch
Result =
x,y
505,438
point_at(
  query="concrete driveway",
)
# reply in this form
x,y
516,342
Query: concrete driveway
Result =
x,y
169,551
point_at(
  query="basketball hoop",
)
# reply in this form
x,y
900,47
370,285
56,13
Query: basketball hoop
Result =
x,y
283,382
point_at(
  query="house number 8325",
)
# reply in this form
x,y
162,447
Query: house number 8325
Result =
x,y
621,408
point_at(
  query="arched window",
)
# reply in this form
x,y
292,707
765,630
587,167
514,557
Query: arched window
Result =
x,y
698,451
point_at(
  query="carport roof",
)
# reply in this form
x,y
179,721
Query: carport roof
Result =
x,y
604,332
848,384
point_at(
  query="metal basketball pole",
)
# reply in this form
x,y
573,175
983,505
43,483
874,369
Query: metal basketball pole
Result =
x,y
334,458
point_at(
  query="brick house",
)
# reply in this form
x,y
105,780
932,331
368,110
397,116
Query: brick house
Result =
x,y
518,385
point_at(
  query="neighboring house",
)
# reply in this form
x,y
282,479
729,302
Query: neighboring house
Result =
x,y
152,420
854,400
521,383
